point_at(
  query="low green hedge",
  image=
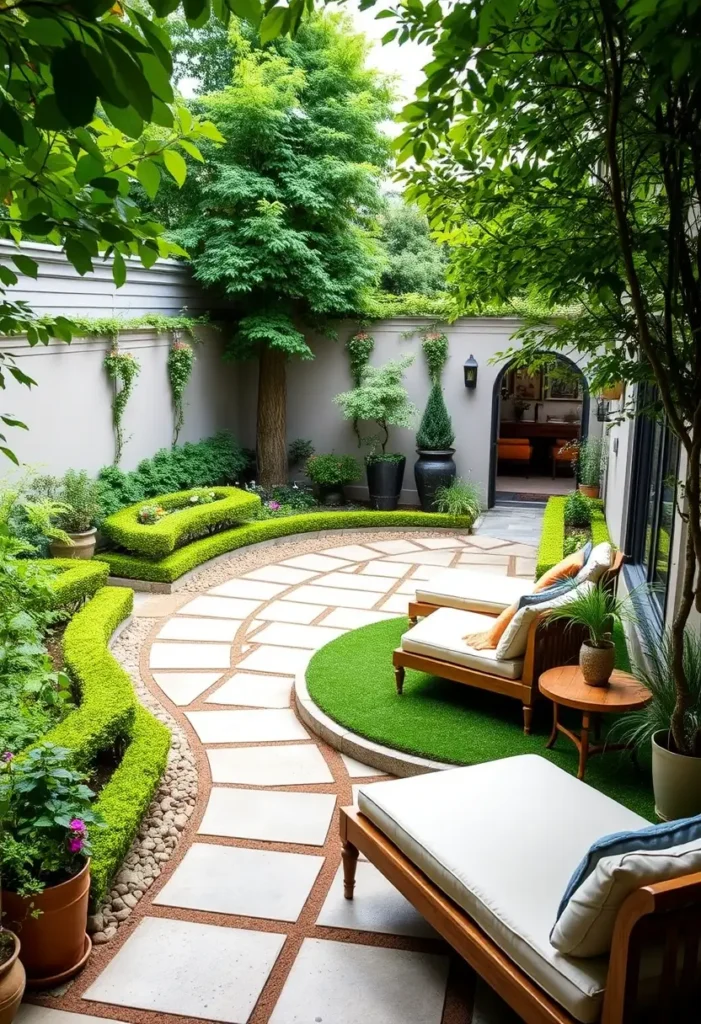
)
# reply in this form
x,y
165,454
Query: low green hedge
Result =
x,y
76,579
159,539
108,715
552,539
181,561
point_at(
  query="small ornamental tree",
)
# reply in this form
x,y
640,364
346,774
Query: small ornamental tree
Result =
x,y
435,431
382,397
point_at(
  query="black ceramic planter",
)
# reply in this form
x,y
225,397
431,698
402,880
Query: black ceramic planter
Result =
x,y
329,494
433,469
385,484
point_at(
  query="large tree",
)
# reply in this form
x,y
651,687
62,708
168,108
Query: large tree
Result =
x,y
415,263
559,151
278,218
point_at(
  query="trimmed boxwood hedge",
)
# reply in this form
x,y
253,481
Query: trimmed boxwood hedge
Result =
x,y
157,540
169,569
76,579
552,539
107,716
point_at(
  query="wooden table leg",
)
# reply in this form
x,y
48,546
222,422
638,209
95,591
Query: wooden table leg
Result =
x,y
584,744
553,732
350,862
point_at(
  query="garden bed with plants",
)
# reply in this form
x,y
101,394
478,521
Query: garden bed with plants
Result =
x,y
568,524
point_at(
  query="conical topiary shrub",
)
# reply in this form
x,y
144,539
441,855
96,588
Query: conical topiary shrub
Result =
x,y
435,432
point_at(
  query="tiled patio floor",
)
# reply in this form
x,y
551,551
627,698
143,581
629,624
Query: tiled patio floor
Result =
x,y
248,922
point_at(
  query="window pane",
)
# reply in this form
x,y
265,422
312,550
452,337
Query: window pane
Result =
x,y
653,497
668,490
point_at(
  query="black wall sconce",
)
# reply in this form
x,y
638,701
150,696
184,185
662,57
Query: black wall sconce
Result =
x,y
603,411
470,368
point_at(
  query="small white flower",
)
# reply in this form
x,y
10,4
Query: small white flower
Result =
x,y
194,499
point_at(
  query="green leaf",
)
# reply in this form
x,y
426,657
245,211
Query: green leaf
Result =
x,y
249,10
11,123
130,78
194,9
210,131
157,77
175,165
162,114
88,168
109,185
147,255
273,24
26,265
74,84
164,7
38,225
119,269
192,149
156,38
7,276
47,114
79,256
125,119
150,177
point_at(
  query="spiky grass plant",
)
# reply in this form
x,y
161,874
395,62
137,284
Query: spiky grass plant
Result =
x,y
598,610
460,498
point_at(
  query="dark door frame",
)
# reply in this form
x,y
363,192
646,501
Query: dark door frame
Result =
x,y
496,400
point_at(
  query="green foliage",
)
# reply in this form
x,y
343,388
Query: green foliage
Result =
x,y
189,518
112,326
573,542
171,568
415,263
359,348
591,459
299,451
46,816
436,429
204,54
333,470
552,539
74,580
578,510
181,359
435,348
214,461
81,498
122,369
461,499
382,397
598,610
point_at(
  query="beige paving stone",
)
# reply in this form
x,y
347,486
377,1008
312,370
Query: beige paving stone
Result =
x,y
280,660
334,597
444,558
525,567
396,603
376,907
426,572
358,770
392,569
157,606
284,634
354,581
475,558
292,764
486,543
289,611
182,655
353,552
256,590
436,543
280,574
220,607
527,550
180,627
394,547
268,726
497,568
254,691
317,563
183,687
407,587
268,815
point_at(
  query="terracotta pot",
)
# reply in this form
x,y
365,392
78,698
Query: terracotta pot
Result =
x,y
597,663
54,943
12,984
589,490
613,393
83,545
676,781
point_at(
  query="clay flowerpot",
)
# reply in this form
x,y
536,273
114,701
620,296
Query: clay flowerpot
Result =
x,y
432,470
12,984
676,780
83,545
597,663
589,490
613,393
54,943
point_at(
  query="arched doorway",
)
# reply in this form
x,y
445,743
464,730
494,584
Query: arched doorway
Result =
x,y
535,411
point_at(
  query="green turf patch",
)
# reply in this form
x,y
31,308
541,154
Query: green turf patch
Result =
x,y
352,680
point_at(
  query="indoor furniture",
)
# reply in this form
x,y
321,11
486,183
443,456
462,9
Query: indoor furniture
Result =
x,y
561,456
516,450
485,854
565,687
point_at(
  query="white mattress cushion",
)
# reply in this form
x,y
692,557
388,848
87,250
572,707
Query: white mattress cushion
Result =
x,y
441,635
473,591
501,839
513,642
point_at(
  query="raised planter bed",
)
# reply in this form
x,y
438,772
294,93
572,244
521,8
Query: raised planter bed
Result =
x,y
552,540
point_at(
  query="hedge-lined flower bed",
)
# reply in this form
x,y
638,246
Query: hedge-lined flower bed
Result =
x,y
76,579
157,540
552,539
109,714
169,569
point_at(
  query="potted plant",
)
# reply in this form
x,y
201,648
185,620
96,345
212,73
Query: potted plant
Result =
x,y
80,497
591,461
520,406
460,498
382,397
597,610
676,775
329,474
435,466
12,976
45,810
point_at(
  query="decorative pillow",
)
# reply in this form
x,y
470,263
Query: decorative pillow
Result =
x,y
586,926
595,565
513,643
556,590
488,640
565,569
651,838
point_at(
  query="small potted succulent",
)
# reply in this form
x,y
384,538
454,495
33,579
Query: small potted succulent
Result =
x,y
329,474
46,816
382,397
79,497
435,467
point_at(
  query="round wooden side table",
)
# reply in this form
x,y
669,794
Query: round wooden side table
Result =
x,y
565,687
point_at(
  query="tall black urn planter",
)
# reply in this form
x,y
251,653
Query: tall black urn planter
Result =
x,y
433,469
385,480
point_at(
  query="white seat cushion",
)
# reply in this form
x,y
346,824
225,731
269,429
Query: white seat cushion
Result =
x,y
473,591
501,839
441,636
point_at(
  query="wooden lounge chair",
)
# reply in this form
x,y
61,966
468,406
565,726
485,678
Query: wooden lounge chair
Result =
x,y
484,854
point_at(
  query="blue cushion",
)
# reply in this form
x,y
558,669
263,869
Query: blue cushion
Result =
x,y
654,837
549,594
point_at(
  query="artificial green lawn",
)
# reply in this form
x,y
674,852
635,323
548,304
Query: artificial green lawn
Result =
x,y
352,680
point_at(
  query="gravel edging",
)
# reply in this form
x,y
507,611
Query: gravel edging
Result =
x,y
169,811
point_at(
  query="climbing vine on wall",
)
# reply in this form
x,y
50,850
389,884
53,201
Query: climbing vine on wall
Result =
x,y
122,369
180,362
359,349
435,346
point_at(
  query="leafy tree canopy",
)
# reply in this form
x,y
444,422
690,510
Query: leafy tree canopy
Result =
x,y
415,263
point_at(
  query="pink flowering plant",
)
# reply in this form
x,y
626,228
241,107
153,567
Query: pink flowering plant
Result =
x,y
46,818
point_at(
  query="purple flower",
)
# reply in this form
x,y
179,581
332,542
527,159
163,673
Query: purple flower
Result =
x,y
77,825
273,505
75,845
7,756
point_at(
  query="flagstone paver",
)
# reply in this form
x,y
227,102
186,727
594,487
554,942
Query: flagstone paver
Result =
x,y
376,907
182,628
183,687
220,607
322,563
181,655
294,764
289,611
253,589
354,618
354,581
284,634
358,770
267,726
280,574
285,660
246,689
334,597
300,818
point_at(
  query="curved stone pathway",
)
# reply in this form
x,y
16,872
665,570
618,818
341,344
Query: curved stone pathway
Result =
x,y
248,922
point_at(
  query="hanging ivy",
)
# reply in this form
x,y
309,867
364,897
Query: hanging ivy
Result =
x,y
359,349
181,359
122,369
435,346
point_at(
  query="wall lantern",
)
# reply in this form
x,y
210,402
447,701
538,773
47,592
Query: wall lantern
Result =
x,y
603,412
471,367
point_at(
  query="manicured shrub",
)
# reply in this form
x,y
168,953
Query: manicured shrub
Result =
x,y
578,510
158,539
75,581
81,497
552,539
333,470
461,498
173,566
435,431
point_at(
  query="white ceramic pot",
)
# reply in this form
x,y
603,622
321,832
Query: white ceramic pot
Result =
x,y
83,545
676,781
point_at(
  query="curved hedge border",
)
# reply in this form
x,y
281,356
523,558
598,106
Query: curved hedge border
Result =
x,y
109,713
159,539
77,579
171,568
552,539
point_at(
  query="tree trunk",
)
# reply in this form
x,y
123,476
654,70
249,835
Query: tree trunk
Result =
x,y
272,408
